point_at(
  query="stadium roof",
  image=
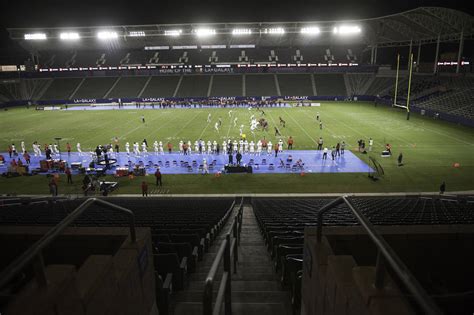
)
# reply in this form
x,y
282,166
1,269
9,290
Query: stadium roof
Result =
x,y
421,25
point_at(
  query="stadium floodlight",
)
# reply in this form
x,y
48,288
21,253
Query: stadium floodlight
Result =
x,y
347,30
174,33
310,30
107,35
274,30
35,36
203,32
69,36
241,31
136,34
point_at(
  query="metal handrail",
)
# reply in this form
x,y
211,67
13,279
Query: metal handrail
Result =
x,y
227,247
385,255
34,253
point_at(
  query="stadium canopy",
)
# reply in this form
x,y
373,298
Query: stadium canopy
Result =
x,y
418,26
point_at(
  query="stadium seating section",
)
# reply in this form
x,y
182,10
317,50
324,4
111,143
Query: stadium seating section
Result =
x,y
282,223
260,85
295,84
128,87
226,85
93,58
181,231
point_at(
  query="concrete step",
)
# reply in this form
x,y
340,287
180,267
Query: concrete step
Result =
x,y
237,309
237,296
268,275
240,285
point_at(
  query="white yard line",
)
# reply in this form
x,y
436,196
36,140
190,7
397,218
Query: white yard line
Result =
x,y
186,124
304,130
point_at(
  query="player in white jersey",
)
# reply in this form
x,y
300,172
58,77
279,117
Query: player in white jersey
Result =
x,y
280,146
252,147
209,118
269,147
216,126
189,147
235,121
209,147
56,149
234,146
144,149
196,146
246,146
127,148
155,147
214,147
23,149
224,147
259,147
136,148
230,113
160,144
241,130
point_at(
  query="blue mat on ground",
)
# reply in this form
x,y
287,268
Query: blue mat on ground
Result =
x,y
176,163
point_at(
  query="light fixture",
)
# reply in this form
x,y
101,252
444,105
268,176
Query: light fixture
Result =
x,y
107,35
312,30
35,36
69,36
136,34
241,31
203,32
274,30
174,33
347,29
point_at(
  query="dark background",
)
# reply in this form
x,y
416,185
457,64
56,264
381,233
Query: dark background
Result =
x,y
71,13
60,13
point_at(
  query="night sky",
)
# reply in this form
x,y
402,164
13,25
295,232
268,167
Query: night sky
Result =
x,y
60,13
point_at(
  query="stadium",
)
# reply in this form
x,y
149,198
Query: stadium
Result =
x,y
299,167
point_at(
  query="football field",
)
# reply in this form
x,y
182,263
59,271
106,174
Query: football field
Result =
x,y
430,147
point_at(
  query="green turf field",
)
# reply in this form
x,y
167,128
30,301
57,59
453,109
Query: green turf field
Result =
x,y
430,147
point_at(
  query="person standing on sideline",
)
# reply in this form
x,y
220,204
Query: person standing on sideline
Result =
x,y
238,157
400,159
68,148
343,147
144,189
442,188
333,153
69,175
158,177
10,151
325,154
170,147
371,143
231,158
320,143
290,143
53,187
27,157
275,147
338,149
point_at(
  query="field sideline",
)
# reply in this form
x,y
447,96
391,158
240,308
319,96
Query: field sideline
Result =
x,y
430,147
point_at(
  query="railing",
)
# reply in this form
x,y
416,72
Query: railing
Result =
x,y
228,246
34,253
385,255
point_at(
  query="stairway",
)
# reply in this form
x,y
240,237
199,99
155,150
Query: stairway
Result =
x,y
255,287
